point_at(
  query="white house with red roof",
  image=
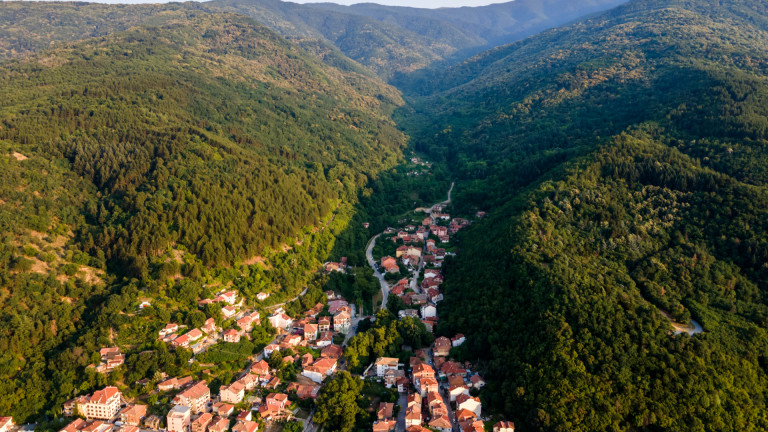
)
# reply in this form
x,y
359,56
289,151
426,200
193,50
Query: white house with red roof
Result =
x,y
280,320
228,311
233,393
104,404
469,403
231,336
320,369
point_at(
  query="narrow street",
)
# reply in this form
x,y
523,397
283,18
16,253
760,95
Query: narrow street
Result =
x,y
402,400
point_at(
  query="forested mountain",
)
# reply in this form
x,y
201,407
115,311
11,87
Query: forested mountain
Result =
x,y
391,41
478,27
624,161
206,137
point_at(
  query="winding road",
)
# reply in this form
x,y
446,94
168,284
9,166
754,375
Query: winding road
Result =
x,y
372,263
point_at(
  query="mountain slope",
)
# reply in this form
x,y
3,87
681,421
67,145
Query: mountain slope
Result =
x,y
132,163
488,26
623,159
390,41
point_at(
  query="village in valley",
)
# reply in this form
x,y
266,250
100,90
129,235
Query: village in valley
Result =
x,y
225,384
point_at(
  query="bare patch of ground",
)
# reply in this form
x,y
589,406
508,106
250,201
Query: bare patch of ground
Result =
x,y
19,156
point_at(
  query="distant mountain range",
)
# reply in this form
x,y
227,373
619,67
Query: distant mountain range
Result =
x,y
389,40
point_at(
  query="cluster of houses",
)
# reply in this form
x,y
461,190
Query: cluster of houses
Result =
x,y
431,405
340,266
439,390
111,358
199,339
194,410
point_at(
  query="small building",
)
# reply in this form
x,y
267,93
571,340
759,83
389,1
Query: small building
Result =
x,y
179,419
383,364
219,424
133,414
504,426
200,424
442,346
152,422
231,336
320,369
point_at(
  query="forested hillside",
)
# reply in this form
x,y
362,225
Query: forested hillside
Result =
x,y
390,41
623,159
195,141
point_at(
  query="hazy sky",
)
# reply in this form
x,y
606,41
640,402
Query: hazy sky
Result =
x,y
414,3
411,3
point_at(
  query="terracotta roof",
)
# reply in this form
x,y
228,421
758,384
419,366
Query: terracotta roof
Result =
x,y
441,422
196,391
464,414
104,395
204,419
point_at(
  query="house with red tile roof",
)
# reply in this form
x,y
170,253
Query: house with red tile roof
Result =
x,y
441,423
389,264
470,403
310,332
320,369
200,424
422,370
132,415
384,425
195,397
324,324
473,426
464,415
245,426
233,393
231,336
426,385
442,346
174,383
209,326
6,424
273,406
504,426
332,351
386,411
219,424
228,311
223,409
477,381
104,404
342,321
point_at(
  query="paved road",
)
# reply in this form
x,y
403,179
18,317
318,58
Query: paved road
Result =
x,y
353,326
287,301
447,201
403,402
379,276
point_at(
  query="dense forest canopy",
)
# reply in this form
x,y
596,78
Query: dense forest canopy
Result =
x,y
172,150
624,160
162,152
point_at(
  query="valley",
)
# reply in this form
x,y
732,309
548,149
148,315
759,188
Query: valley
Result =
x,y
261,215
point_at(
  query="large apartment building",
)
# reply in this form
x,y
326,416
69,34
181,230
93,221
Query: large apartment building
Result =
x,y
195,397
103,404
